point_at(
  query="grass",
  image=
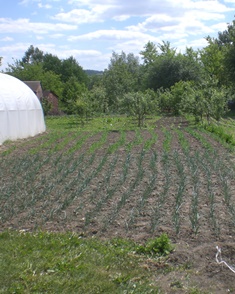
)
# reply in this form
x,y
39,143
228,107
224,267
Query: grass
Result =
x,y
104,123
68,263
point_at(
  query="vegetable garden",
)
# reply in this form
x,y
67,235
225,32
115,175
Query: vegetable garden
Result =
x,y
172,178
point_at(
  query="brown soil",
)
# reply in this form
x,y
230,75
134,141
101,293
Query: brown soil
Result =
x,y
106,202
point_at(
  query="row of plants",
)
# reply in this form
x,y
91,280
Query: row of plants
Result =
x,y
65,186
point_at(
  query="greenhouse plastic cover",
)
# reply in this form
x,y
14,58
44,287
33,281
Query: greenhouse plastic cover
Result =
x,y
21,114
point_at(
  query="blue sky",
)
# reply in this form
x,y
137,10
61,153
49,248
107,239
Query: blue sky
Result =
x,y
90,30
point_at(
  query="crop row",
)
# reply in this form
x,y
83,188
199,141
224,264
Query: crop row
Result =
x,y
124,181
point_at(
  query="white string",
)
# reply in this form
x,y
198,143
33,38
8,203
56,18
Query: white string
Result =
x,y
221,261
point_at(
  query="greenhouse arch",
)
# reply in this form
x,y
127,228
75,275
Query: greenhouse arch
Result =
x,y
21,114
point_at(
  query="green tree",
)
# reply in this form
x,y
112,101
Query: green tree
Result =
x,y
139,104
52,63
178,91
222,50
36,62
170,67
213,59
95,81
121,77
27,71
35,72
229,61
51,81
70,67
165,48
165,100
81,107
46,105
72,92
205,100
99,100
149,54
32,55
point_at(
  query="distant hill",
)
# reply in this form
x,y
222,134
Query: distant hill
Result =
x,y
91,72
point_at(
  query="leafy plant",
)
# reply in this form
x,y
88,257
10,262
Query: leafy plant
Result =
x,y
160,246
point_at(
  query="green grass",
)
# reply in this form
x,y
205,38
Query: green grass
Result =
x,y
67,263
107,123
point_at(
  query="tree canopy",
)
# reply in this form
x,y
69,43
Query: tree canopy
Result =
x,y
197,82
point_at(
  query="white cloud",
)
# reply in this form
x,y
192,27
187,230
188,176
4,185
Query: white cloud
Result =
x,y
208,5
24,25
154,23
57,36
181,44
204,15
39,37
95,14
46,6
121,17
25,2
7,39
110,35
218,27
78,16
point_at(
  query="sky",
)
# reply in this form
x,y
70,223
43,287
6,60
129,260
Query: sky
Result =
x,y
90,30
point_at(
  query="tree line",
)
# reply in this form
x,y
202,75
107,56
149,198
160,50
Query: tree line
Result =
x,y
196,82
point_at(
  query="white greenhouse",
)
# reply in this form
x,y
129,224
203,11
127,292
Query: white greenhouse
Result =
x,y
21,114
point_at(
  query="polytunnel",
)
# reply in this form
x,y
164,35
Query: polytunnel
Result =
x,y
21,114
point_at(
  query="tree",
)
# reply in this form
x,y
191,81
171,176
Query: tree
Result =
x,y
81,107
166,49
70,67
213,59
52,63
139,104
226,37
205,100
121,77
95,81
178,92
169,68
35,72
224,59
72,92
33,55
51,81
165,99
46,105
47,62
99,99
27,71
150,53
